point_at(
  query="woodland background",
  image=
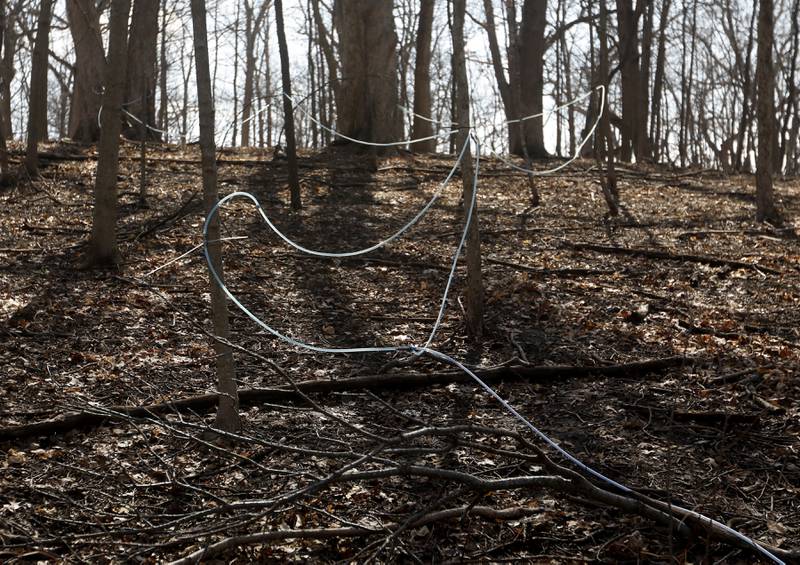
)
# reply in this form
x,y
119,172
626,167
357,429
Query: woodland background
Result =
x,y
629,280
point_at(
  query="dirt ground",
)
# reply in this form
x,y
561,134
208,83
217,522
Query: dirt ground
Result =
x,y
685,273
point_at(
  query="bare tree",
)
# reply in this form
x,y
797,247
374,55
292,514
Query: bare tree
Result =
x,y
521,91
474,286
422,80
368,95
37,108
254,19
7,70
605,138
4,172
140,84
634,106
228,411
766,210
163,106
90,63
103,242
658,81
288,111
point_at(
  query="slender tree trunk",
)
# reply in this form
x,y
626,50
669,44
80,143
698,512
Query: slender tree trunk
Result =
x,y
326,47
288,111
646,144
7,72
236,74
37,109
748,92
253,21
566,58
606,139
658,80
103,243
312,76
90,63
228,410
163,107
422,81
4,172
766,210
791,95
186,71
510,107
474,286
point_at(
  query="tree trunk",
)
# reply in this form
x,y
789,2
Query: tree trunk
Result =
x,y
103,242
605,138
3,147
236,116
634,108
531,76
658,81
288,111
791,95
644,73
326,47
90,63
367,98
474,286
228,411
312,76
253,21
510,107
7,72
163,67
37,109
140,86
766,210
422,81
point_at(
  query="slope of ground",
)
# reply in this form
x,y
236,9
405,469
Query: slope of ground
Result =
x,y
684,273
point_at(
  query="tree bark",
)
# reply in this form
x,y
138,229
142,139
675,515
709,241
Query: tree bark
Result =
x,y
422,81
288,111
766,210
37,108
531,76
163,107
658,80
605,137
368,92
140,85
253,21
634,108
103,242
227,418
326,47
474,286
7,73
522,91
90,64
3,147
510,107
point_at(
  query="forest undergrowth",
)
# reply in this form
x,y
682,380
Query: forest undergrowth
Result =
x,y
661,348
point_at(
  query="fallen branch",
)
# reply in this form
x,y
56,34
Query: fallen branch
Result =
x,y
660,254
225,544
206,402
722,420
568,272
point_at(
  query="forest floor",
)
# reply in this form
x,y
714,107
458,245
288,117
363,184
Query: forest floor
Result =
x,y
685,273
